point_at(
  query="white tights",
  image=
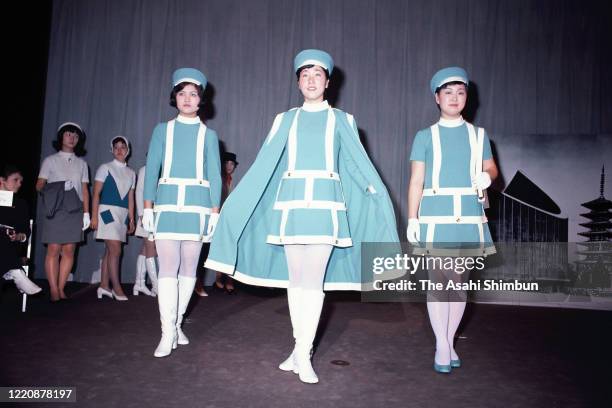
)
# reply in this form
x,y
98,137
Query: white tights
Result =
x,y
177,256
307,265
445,309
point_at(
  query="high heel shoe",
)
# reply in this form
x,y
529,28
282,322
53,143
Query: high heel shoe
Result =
x,y
455,363
103,292
117,297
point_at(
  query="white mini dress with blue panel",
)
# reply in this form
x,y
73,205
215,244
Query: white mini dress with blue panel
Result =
x,y
118,179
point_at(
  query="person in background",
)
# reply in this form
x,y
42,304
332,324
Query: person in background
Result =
x,y
14,232
63,183
229,166
113,214
145,264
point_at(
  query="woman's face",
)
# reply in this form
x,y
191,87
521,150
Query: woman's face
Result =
x,y
229,167
11,183
188,101
312,84
69,141
120,151
451,100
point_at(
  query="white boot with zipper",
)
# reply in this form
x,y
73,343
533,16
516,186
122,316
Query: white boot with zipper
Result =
x,y
185,290
311,304
140,281
167,299
293,298
152,272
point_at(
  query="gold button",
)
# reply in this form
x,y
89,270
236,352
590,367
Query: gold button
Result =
x,y
336,241
331,175
289,174
435,191
458,219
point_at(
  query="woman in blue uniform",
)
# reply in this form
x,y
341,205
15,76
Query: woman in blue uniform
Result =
x,y
451,166
181,206
299,214
113,214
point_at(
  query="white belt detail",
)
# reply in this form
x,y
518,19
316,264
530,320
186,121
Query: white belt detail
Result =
x,y
441,191
184,181
184,209
449,219
317,174
314,204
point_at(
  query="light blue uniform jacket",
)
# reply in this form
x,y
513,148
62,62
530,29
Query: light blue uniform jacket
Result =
x,y
239,245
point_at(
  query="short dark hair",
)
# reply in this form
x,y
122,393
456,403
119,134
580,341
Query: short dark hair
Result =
x,y
118,139
438,89
300,69
9,169
179,87
79,149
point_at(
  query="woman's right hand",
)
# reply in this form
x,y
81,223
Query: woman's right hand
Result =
x,y
94,224
413,232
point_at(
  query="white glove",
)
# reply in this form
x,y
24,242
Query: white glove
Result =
x,y
148,220
413,232
86,221
482,180
212,223
68,185
371,189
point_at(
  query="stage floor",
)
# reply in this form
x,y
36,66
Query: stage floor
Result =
x,y
368,355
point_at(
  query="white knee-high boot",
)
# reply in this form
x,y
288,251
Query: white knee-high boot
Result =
x,y
185,290
456,310
168,303
141,273
311,304
293,298
438,316
152,272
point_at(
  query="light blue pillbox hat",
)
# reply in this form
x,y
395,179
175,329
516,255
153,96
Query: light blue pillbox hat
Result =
x,y
446,75
313,57
188,75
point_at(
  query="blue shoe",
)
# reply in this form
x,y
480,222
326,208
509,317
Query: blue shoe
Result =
x,y
444,369
455,363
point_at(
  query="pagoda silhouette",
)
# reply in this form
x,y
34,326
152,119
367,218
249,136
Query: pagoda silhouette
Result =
x,y
594,270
